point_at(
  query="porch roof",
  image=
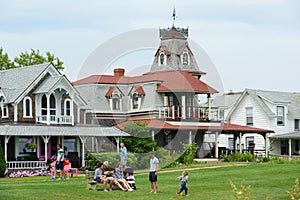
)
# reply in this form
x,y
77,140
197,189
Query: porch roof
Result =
x,y
290,135
213,126
42,130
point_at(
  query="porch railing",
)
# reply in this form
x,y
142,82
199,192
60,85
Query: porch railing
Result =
x,y
55,119
189,112
26,164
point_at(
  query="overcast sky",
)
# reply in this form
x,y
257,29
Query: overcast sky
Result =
x,y
252,43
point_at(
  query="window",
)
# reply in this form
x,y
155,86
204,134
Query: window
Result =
x,y
162,59
27,107
280,115
185,59
52,106
296,126
70,143
171,101
44,105
116,102
135,101
250,142
22,143
221,114
67,107
230,143
249,116
4,111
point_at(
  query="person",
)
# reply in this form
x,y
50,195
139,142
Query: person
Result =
x,y
153,172
184,180
130,180
98,177
59,165
108,174
123,155
119,178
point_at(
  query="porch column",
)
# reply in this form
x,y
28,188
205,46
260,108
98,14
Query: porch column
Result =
x,y
183,108
216,144
290,148
190,137
267,145
83,140
46,140
78,115
5,147
118,143
48,108
72,111
153,138
240,138
209,106
15,112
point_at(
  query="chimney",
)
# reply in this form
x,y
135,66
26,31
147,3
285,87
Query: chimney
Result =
x,y
119,72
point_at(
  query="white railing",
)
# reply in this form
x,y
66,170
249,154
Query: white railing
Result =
x,y
26,164
191,112
55,119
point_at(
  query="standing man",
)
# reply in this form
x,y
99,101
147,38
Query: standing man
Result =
x,y
153,172
59,163
124,155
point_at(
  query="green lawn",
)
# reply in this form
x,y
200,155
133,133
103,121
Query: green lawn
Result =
x,y
207,182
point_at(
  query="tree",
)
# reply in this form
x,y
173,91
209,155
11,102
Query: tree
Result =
x,y
2,162
34,57
141,140
26,59
5,62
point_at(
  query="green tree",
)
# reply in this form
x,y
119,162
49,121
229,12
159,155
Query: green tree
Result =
x,y
34,57
5,62
141,140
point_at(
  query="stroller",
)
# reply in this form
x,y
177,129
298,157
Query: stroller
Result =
x,y
128,174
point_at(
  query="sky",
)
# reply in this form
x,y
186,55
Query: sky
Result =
x,y
239,43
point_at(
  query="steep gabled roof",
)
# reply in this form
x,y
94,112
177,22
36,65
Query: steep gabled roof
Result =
x,y
15,82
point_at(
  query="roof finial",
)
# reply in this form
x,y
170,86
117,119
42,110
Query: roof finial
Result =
x,y
174,16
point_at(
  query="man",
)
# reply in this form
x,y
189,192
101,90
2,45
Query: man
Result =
x,y
59,163
124,155
98,177
153,173
108,174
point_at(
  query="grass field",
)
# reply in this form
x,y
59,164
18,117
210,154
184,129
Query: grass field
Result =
x,y
205,182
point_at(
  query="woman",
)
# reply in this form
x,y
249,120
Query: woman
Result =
x,y
99,178
119,179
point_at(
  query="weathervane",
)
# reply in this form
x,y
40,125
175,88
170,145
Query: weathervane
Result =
x,y
174,16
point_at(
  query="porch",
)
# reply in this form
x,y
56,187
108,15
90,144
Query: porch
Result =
x,y
190,112
55,119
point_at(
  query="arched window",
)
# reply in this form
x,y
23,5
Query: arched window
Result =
x,y
52,105
67,107
27,107
116,102
135,101
162,59
185,58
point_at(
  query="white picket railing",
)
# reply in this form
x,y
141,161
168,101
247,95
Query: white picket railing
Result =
x,y
26,165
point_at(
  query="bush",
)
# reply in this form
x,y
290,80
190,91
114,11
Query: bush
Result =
x,y
2,162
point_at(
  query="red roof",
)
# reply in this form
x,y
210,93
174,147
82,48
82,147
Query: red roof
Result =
x,y
110,91
140,90
173,34
175,80
159,124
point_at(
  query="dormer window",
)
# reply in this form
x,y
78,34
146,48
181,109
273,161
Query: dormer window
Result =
x,y
135,101
116,102
162,59
185,58
280,116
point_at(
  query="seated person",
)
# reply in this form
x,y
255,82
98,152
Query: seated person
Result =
x,y
130,180
98,177
108,174
119,178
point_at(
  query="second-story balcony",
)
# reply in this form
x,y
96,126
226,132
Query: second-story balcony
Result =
x,y
189,112
54,119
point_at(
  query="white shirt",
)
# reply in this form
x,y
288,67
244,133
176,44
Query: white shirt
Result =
x,y
153,162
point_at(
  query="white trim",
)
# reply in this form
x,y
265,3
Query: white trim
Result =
x,y
5,111
30,107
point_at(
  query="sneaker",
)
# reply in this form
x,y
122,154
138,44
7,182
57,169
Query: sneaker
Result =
x,y
187,195
130,190
155,192
105,190
52,179
61,179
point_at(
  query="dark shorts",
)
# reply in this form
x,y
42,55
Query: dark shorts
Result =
x,y
59,165
152,177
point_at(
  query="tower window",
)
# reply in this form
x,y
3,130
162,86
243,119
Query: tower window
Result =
x,y
162,59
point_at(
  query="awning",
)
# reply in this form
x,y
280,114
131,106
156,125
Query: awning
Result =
x,y
291,135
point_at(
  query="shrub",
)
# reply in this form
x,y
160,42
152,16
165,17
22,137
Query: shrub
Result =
x,y
2,162
243,193
295,192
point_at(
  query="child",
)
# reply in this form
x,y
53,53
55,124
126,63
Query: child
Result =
x,y
183,179
130,180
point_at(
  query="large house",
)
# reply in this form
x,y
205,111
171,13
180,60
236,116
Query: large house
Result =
x,y
273,110
39,108
166,99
